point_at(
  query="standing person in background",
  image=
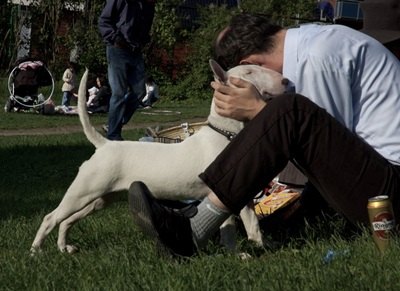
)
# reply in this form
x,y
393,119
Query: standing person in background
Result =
x,y
69,78
125,26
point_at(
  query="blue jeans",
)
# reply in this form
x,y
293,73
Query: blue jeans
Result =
x,y
66,98
126,75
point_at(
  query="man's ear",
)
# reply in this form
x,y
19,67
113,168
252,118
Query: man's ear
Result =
x,y
219,73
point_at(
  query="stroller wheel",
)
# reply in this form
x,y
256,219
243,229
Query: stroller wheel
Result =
x,y
8,106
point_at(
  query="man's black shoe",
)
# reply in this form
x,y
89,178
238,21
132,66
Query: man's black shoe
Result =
x,y
166,221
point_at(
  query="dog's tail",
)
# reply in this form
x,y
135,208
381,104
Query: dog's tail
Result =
x,y
91,133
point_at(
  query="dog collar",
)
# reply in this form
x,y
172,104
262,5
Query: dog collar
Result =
x,y
228,134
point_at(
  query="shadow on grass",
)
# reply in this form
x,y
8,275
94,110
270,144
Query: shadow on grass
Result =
x,y
33,178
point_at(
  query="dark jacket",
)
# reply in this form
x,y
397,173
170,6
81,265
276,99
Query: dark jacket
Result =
x,y
127,23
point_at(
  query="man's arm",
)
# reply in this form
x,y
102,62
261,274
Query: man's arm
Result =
x,y
108,20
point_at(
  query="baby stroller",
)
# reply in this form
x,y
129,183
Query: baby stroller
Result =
x,y
23,84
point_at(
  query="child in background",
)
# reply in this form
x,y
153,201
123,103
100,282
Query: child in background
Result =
x,y
92,94
69,78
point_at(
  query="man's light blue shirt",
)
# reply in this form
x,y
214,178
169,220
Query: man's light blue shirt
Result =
x,y
353,77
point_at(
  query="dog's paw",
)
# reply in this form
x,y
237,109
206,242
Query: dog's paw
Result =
x,y
70,249
34,251
244,256
257,239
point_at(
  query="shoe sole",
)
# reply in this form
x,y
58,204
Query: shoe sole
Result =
x,y
140,209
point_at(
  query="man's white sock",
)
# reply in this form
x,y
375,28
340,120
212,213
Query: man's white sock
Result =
x,y
207,221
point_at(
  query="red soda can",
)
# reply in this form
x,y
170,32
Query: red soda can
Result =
x,y
381,217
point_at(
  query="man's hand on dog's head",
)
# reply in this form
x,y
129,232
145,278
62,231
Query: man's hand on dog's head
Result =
x,y
242,102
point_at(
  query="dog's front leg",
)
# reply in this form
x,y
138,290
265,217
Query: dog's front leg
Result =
x,y
228,237
251,224
66,224
228,233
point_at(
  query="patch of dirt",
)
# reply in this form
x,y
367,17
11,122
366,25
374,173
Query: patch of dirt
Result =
x,y
78,128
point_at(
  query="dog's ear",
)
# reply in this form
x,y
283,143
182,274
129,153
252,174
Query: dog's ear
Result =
x,y
219,73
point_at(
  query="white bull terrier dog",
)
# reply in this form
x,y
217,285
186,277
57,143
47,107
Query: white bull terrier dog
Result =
x,y
164,168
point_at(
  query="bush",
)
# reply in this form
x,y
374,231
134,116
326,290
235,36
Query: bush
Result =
x,y
194,79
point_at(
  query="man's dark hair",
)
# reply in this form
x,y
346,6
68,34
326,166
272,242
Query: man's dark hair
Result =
x,y
246,34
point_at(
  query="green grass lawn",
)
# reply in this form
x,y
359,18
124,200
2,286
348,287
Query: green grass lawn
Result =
x,y
114,255
36,171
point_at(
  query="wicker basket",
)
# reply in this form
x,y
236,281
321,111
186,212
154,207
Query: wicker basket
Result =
x,y
175,134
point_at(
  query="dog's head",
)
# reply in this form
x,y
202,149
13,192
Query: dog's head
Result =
x,y
268,82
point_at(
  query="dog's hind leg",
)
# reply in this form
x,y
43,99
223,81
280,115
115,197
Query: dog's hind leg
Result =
x,y
82,192
66,224
50,221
